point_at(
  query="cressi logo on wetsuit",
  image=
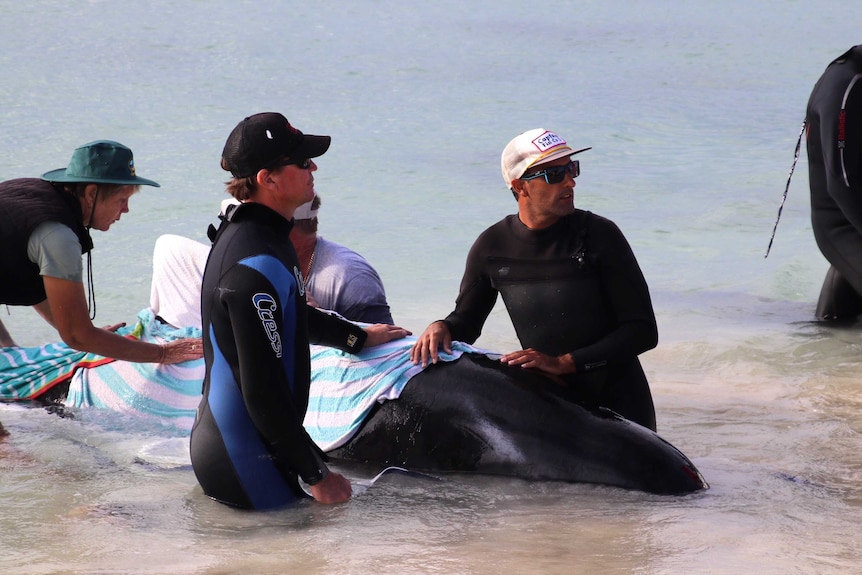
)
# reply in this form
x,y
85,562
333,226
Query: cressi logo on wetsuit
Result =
x,y
266,306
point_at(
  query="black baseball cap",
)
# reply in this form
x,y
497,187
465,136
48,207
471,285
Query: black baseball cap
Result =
x,y
260,140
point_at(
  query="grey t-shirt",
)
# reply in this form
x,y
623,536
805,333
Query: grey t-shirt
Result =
x,y
344,281
56,249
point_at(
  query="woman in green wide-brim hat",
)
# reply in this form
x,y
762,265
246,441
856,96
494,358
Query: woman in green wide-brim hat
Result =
x,y
45,230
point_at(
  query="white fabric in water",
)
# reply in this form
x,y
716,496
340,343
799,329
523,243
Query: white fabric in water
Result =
x,y
178,269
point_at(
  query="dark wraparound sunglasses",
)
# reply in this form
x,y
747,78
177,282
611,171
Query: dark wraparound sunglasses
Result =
x,y
302,164
556,174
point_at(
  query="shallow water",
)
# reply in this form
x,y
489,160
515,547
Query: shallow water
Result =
x,y
692,109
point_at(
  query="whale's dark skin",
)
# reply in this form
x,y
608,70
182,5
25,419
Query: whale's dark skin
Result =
x,y
476,415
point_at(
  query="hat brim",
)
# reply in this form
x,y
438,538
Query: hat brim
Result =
x,y
556,156
60,177
312,146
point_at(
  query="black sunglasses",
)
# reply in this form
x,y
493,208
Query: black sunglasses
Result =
x,y
302,164
556,174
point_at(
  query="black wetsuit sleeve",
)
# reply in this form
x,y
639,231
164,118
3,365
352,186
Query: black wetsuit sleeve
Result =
x,y
266,365
476,299
332,331
628,300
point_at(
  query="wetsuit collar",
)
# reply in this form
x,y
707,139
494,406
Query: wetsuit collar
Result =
x,y
254,212
260,213
524,233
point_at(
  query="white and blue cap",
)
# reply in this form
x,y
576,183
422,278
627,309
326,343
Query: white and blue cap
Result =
x,y
303,212
532,148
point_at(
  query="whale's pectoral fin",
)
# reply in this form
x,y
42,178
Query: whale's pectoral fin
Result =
x,y
360,487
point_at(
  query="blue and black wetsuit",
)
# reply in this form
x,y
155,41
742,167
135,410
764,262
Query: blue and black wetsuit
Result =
x,y
834,124
248,444
574,287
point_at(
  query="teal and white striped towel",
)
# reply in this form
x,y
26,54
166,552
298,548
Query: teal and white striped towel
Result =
x,y
345,387
166,394
28,372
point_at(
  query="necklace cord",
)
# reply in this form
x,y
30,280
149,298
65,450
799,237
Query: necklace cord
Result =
x,y
91,290
307,273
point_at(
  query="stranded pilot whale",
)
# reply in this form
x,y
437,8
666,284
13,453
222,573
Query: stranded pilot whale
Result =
x,y
471,414
477,415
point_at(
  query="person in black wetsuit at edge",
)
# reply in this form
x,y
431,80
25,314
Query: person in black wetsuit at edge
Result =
x,y
834,145
574,291
248,445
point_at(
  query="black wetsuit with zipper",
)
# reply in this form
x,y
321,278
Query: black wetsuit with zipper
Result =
x,y
834,146
574,287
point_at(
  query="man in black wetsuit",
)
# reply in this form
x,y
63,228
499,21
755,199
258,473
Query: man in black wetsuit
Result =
x,y
573,289
248,445
834,144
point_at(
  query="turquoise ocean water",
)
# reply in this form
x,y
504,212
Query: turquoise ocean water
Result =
x,y
692,109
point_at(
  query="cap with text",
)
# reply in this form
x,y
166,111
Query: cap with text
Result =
x,y
532,148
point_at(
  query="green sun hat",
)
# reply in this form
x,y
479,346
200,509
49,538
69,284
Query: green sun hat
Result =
x,y
99,162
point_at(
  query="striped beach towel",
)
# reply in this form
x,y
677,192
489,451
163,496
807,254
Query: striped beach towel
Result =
x,y
344,387
165,394
29,372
